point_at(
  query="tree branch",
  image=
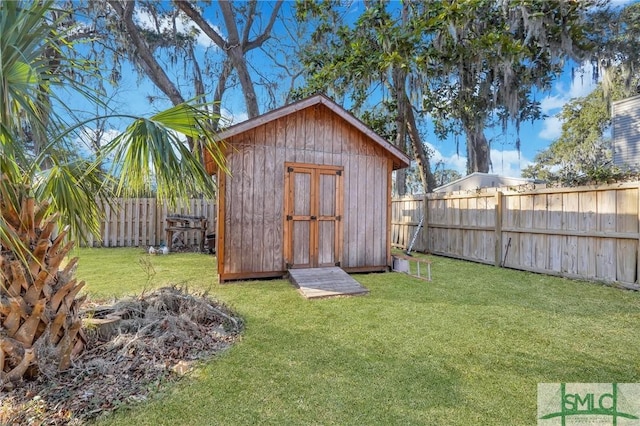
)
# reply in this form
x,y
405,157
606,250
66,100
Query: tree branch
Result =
x,y
197,18
230,23
249,24
227,67
266,34
143,53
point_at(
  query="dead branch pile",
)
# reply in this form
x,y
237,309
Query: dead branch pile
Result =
x,y
133,347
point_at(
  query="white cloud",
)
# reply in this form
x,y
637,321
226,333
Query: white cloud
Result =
x,y
582,83
454,162
505,162
87,135
508,162
551,103
229,118
552,128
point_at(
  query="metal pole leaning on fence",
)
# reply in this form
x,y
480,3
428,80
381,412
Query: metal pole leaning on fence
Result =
x,y
506,252
415,236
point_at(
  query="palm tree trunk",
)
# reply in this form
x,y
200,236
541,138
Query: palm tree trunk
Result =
x,y
39,307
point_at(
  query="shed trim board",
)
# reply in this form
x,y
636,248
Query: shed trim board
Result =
x,y
309,185
220,232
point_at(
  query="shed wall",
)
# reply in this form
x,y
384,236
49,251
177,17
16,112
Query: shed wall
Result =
x,y
253,195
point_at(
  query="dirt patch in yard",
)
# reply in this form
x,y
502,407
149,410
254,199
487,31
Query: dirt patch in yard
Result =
x,y
135,346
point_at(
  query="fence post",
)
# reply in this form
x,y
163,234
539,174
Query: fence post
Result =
x,y
425,222
638,250
498,228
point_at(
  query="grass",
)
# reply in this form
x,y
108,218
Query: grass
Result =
x,y
469,347
110,272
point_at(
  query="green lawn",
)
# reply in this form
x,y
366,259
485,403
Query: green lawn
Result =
x,y
110,272
469,347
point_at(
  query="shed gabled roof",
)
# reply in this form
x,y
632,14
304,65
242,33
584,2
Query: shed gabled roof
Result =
x,y
400,159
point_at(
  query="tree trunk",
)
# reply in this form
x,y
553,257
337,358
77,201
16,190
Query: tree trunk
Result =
x,y
399,80
235,52
143,54
236,47
227,67
478,155
421,157
248,90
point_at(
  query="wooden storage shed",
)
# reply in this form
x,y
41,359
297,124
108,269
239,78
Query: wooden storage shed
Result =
x,y
309,186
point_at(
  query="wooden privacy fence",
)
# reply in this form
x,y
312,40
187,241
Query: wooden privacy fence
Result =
x,y
586,233
141,222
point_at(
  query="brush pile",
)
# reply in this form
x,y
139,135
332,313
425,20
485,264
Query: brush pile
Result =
x,y
133,346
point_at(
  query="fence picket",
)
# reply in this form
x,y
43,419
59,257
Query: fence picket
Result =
x,y
141,222
588,232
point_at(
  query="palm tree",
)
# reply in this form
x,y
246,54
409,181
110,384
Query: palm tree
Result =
x,y
42,188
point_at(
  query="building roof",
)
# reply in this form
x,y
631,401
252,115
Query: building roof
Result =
x,y
481,180
400,159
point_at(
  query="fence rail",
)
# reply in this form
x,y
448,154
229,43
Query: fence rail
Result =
x,y
141,222
588,232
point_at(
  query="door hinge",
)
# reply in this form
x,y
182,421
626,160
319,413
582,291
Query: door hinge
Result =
x,y
289,217
338,218
339,172
289,169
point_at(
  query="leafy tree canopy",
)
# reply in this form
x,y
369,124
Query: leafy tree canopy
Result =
x,y
484,60
582,153
38,61
469,64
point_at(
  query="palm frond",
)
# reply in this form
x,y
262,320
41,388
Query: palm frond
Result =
x,y
151,155
36,64
75,191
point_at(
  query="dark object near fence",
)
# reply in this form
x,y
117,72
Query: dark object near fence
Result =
x,y
506,252
211,243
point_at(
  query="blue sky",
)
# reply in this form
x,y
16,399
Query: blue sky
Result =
x,y
131,97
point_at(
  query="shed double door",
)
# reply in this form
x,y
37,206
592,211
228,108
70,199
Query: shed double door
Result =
x,y
313,204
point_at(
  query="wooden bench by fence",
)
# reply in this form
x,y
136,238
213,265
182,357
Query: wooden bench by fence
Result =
x,y
182,223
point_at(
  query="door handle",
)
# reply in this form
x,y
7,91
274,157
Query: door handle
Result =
x,y
313,217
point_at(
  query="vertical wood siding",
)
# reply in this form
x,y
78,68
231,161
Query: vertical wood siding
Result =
x,y
254,193
589,232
